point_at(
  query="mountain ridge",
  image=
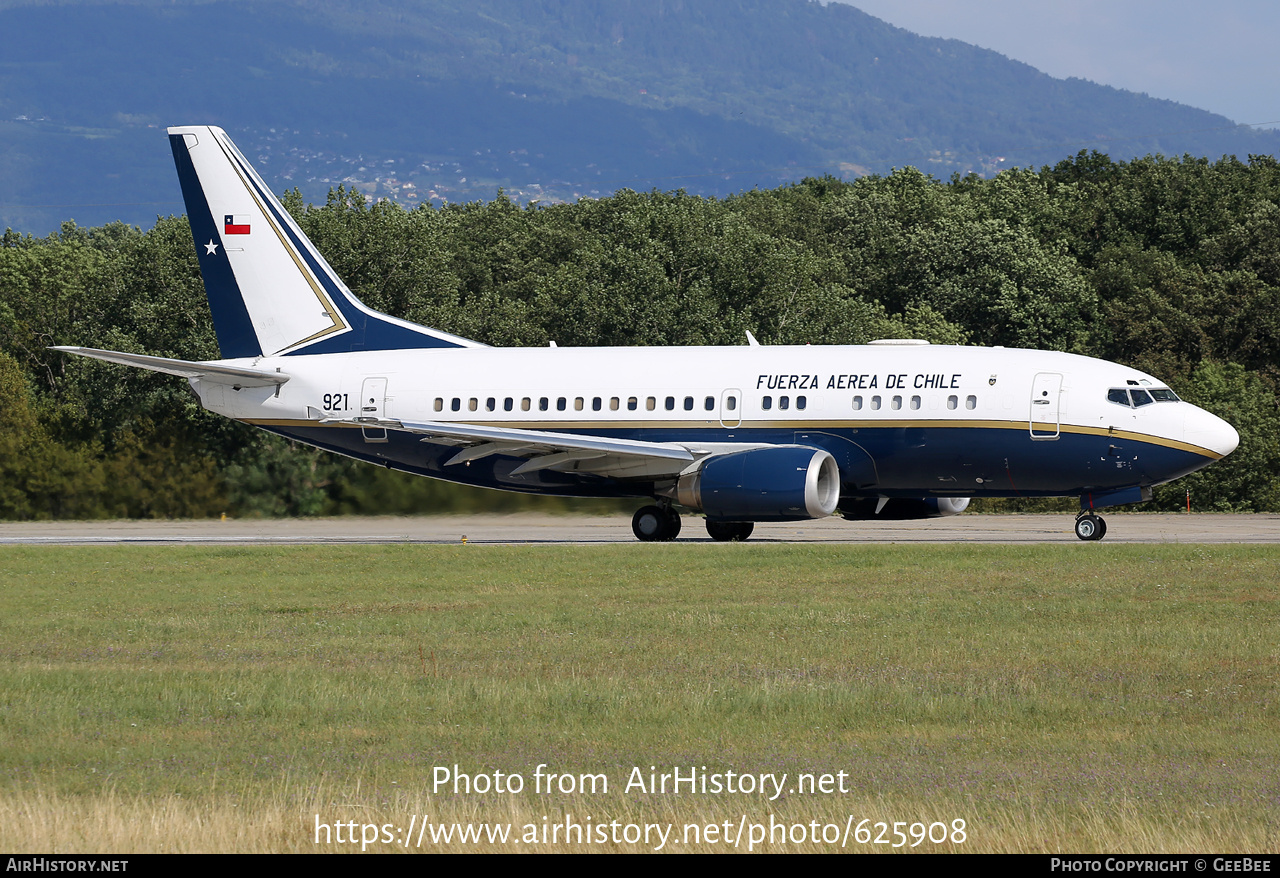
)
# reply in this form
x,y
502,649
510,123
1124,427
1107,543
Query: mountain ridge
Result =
x,y
549,99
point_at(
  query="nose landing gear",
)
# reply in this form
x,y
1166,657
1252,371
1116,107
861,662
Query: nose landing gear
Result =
x,y
1090,527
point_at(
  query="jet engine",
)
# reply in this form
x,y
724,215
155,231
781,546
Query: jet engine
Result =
x,y
779,483
900,508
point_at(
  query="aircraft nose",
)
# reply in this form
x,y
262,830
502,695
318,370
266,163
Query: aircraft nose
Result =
x,y
1211,432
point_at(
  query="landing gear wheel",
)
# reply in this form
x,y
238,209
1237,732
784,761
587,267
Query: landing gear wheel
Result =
x,y
1090,527
649,524
730,531
654,524
673,524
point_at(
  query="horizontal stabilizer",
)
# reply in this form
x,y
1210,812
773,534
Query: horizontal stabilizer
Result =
x,y
218,373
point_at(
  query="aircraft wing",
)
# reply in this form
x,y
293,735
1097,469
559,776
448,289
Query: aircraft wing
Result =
x,y
215,372
547,450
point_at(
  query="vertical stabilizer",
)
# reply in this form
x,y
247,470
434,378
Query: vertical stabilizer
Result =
x,y
270,290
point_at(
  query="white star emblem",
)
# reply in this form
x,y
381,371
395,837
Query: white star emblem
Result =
x,y
211,248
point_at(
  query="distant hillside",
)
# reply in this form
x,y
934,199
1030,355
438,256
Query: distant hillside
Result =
x,y
551,99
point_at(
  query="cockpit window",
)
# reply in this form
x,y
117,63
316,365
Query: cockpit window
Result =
x,y
1135,397
1118,395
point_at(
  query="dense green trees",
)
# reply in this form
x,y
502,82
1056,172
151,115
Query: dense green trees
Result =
x,y
1170,265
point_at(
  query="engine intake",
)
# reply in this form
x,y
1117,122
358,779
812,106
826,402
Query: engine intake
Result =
x,y
780,483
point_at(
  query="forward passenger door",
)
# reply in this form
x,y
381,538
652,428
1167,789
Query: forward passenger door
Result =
x,y
1046,393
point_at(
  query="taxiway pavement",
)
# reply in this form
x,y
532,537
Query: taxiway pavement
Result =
x,y
533,529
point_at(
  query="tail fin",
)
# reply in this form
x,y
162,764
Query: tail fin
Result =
x,y
270,290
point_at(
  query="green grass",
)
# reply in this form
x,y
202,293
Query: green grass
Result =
x,y
1005,684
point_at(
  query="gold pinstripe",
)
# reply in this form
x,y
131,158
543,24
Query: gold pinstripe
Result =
x,y
337,322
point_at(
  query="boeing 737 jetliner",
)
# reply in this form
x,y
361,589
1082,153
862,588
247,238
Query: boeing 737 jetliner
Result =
x,y
894,429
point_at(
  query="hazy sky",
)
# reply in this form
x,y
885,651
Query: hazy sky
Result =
x,y
1220,56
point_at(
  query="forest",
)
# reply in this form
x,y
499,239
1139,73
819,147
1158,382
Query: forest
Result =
x,y
1170,265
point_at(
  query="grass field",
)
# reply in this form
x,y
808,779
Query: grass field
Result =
x,y
1065,698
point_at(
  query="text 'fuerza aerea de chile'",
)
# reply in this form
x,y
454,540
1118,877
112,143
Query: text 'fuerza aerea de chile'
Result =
x,y
868,381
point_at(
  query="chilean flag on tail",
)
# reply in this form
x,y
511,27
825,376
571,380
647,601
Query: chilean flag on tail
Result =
x,y
235,224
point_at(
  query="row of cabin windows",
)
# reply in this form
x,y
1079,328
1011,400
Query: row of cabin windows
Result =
x,y
895,403
544,403
784,403
632,403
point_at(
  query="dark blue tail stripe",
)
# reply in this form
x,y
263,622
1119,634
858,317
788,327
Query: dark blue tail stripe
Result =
x,y
231,322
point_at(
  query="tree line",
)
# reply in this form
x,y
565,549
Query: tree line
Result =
x,y
1169,265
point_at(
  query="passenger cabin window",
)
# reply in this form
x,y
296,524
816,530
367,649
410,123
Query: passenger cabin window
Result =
x,y
688,403
456,404
632,403
577,403
613,403
857,403
670,403
543,404
953,402
439,406
784,402
561,404
896,404
709,403
766,403
875,403
650,403
802,402
971,402
490,404
595,403
508,404
524,404
731,403
473,404
915,403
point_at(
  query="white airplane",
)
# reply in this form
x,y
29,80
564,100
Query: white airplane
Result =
x,y
892,430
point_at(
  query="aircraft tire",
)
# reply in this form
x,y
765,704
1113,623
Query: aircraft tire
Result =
x,y
673,525
651,524
730,531
1090,527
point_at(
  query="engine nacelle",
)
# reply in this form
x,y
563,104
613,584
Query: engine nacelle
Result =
x,y
901,508
780,483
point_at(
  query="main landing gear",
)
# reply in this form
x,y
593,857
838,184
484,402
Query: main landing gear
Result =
x,y
655,524
661,524
1090,527
730,531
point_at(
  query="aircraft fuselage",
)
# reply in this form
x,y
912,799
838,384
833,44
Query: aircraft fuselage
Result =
x,y
900,420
